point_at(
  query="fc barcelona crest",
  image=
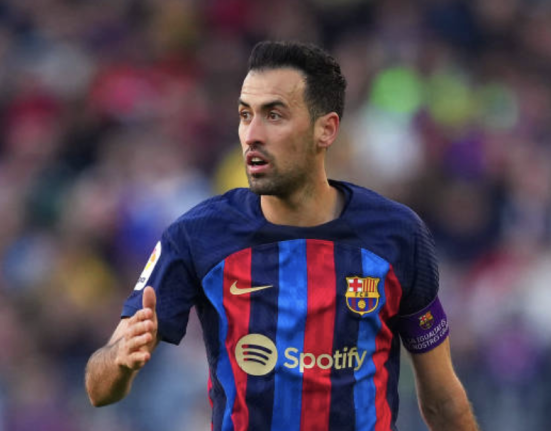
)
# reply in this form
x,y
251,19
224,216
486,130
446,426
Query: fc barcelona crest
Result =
x,y
362,294
426,320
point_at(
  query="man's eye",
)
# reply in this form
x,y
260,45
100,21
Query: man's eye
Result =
x,y
274,116
244,115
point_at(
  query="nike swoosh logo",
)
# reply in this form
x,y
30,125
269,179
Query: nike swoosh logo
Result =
x,y
234,290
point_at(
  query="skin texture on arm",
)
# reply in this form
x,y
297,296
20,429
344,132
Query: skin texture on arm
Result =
x,y
111,369
442,399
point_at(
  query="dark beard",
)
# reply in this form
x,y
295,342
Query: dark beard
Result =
x,y
278,185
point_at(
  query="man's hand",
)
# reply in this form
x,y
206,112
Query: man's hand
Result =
x,y
139,338
111,369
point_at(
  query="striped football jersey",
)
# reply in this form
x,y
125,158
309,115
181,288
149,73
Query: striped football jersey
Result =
x,y
302,325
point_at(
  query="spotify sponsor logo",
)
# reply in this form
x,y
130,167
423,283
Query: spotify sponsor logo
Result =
x,y
256,354
348,358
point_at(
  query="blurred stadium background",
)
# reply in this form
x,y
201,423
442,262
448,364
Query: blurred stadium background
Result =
x,y
116,116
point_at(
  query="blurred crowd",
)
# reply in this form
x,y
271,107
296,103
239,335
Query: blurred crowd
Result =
x,y
116,116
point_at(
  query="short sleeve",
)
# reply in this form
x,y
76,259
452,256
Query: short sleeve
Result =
x,y
423,324
169,270
424,279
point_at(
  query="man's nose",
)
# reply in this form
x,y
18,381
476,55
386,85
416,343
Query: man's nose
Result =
x,y
255,131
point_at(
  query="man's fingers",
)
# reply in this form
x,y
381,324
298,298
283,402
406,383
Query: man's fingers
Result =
x,y
138,359
140,335
132,358
136,343
144,314
149,299
139,328
135,353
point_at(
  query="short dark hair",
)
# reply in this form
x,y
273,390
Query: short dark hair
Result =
x,y
325,84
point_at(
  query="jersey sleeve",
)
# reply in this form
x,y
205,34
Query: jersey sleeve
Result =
x,y
422,323
169,271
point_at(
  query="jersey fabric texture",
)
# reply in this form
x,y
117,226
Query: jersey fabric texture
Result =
x,y
302,325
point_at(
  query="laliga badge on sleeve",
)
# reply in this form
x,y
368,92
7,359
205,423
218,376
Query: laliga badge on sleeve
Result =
x,y
146,273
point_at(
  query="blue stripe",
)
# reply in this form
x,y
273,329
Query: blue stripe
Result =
x,y
214,289
263,320
370,325
343,414
292,300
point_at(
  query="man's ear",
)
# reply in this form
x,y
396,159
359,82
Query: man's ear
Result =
x,y
326,129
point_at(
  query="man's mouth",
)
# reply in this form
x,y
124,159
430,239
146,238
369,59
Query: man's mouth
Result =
x,y
256,163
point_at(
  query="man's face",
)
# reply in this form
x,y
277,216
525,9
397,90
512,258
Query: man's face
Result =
x,y
276,131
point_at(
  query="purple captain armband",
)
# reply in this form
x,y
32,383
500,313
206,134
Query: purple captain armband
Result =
x,y
424,330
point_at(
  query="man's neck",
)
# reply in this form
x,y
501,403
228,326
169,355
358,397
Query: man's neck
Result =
x,y
310,206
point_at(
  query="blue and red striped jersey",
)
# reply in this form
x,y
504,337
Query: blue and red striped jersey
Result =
x,y
302,325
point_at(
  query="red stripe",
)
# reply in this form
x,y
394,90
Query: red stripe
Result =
x,y
318,337
393,293
209,387
237,268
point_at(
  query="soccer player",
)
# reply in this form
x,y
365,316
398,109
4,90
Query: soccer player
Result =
x,y
304,286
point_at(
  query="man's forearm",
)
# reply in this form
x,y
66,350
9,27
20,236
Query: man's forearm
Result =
x,y
450,415
106,382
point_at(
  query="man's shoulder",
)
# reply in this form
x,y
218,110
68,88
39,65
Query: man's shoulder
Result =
x,y
368,203
236,199
234,205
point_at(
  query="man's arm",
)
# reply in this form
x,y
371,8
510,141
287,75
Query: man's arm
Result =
x,y
442,399
111,369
